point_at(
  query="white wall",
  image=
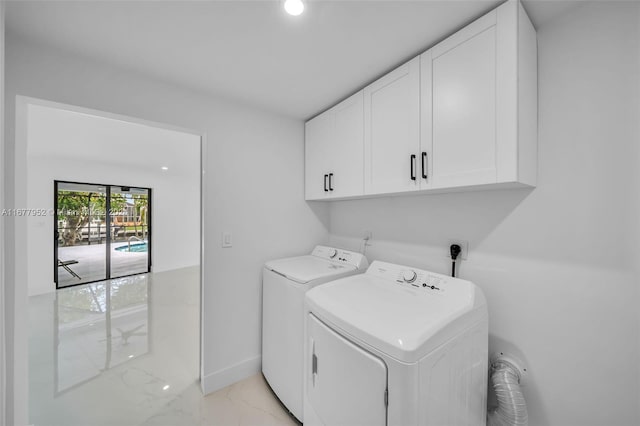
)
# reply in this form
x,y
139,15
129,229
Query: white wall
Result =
x,y
3,392
556,263
77,147
253,186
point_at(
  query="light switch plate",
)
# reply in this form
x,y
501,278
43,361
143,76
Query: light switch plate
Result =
x,y
227,240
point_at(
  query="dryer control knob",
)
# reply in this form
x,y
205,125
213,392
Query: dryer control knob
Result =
x,y
409,276
332,253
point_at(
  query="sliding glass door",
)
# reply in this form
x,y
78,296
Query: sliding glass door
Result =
x,y
100,232
129,230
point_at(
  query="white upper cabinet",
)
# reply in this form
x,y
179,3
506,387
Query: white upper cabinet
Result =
x,y
334,151
462,115
392,131
484,102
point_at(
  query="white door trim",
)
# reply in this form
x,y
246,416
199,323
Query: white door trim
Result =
x,y
3,381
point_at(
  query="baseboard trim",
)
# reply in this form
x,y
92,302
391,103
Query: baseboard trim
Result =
x,y
227,376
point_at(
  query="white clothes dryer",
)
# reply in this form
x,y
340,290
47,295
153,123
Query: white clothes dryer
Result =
x,y
396,346
285,282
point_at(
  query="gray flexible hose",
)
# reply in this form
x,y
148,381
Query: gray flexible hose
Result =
x,y
512,408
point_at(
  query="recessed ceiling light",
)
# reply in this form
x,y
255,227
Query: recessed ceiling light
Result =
x,y
166,387
294,7
164,168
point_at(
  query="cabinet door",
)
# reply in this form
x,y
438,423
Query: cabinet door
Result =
x,y
347,148
392,131
334,151
463,69
318,134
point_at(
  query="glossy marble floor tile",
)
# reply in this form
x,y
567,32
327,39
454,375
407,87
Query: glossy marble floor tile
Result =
x,y
125,352
246,403
113,352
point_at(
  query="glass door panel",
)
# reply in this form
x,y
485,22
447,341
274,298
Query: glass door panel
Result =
x,y
129,231
81,233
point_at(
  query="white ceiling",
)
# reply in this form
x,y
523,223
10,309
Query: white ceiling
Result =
x,y
59,134
252,51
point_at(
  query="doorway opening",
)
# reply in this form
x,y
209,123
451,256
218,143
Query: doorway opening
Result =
x,y
100,232
51,365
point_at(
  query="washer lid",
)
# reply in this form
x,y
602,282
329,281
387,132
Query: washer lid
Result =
x,y
303,269
403,320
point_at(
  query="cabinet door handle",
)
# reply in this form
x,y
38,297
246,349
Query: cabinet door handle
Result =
x,y
330,183
424,165
413,167
325,183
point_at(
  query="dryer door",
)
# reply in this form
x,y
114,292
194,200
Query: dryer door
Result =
x,y
346,385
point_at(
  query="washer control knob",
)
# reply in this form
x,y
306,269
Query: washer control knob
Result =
x,y
409,276
332,253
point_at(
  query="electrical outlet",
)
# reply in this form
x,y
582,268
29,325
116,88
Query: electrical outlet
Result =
x,y
464,246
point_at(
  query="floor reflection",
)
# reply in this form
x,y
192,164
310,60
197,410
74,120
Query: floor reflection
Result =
x,y
115,352
99,326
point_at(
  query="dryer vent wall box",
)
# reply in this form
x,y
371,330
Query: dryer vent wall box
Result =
x,y
285,282
405,133
396,345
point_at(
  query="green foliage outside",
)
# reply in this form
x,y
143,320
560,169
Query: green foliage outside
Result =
x,y
140,205
77,208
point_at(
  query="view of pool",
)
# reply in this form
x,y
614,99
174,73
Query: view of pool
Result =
x,y
135,248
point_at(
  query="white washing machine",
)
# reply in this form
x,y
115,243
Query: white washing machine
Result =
x,y
396,346
284,284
